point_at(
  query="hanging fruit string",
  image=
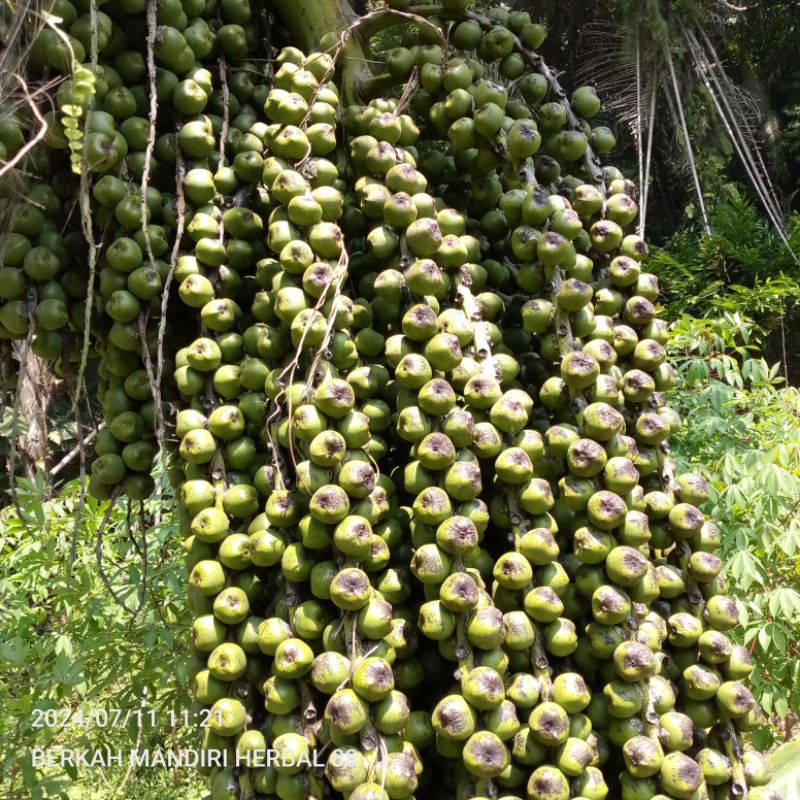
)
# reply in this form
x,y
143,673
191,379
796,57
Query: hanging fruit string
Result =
x,y
417,385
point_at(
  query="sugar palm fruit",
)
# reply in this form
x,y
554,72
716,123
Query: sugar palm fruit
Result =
x,y
327,481
629,567
42,289
433,561
429,512
607,510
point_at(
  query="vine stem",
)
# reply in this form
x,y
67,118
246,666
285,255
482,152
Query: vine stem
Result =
x,y
86,217
180,207
7,166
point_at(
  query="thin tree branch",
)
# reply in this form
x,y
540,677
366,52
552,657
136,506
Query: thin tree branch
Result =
x,y
74,452
37,137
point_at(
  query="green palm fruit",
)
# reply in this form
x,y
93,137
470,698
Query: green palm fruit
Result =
x,y
512,571
606,510
570,691
573,756
427,378
435,621
735,699
372,679
676,731
346,712
680,775
483,688
643,756
548,783
625,565
350,589
453,718
523,690
485,755
549,724
716,767
739,665
721,613
591,784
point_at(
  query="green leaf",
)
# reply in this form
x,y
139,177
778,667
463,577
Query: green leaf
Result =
x,y
28,770
64,645
13,652
782,707
785,763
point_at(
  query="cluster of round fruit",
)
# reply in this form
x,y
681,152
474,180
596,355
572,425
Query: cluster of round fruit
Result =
x,y
421,438
330,627
42,288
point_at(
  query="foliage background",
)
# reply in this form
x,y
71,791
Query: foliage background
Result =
x,y
66,644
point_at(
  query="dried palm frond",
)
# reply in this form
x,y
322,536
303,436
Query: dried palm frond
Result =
x,y
611,65
687,142
636,65
741,125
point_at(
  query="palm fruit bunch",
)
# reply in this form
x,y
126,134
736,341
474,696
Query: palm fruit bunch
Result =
x,y
42,280
413,401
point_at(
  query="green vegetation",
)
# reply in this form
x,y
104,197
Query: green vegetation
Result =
x,y
67,646
741,431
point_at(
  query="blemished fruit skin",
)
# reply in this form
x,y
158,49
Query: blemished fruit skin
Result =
x,y
401,359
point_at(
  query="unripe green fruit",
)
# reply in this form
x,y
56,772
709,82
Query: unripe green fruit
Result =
x,y
512,571
573,756
207,577
757,770
542,604
634,661
227,662
457,535
585,101
676,731
372,679
735,699
739,665
346,712
346,769
486,628
570,691
485,755
625,565
549,724
680,775
231,605
293,658
453,719
716,767
591,784
643,756
227,716
721,613
435,621
375,619
350,589
606,510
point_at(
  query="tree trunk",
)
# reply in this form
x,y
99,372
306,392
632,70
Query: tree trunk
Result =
x,y
36,386
307,21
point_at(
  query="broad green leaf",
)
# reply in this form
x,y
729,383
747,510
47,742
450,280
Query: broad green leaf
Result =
x,y
785,763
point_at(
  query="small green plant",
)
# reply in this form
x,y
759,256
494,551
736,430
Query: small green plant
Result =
x,y
68,647
741,432
742,267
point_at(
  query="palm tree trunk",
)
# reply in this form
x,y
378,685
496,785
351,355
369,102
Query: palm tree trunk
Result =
x,y
35,390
